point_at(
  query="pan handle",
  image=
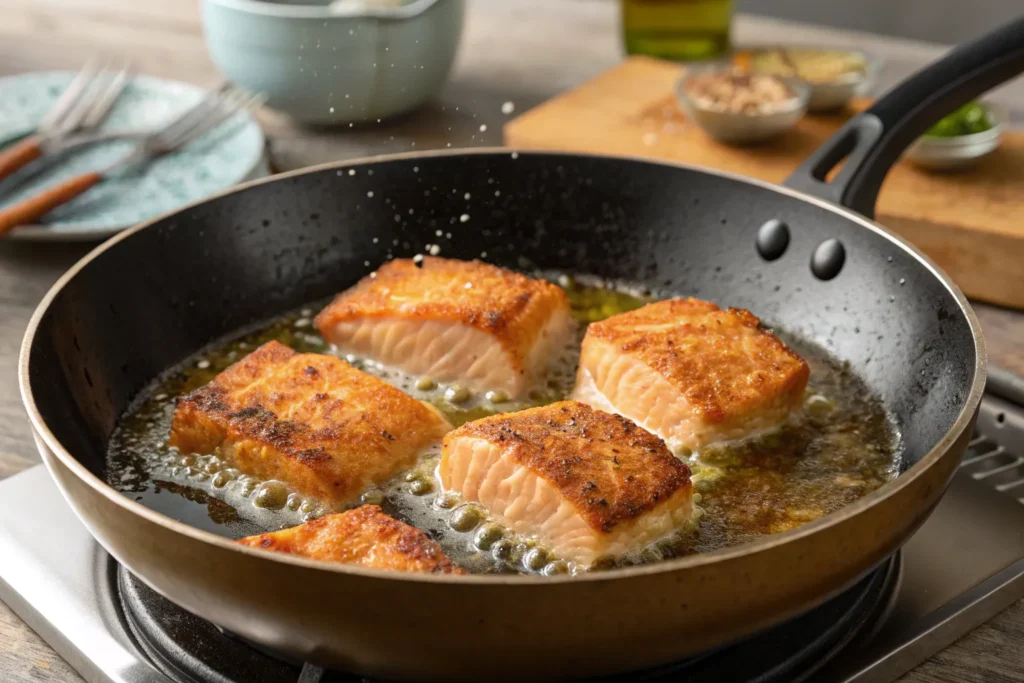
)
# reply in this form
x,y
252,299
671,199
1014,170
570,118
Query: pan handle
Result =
x,y
872,141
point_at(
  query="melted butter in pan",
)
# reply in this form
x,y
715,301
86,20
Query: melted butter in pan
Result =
x,y
839,448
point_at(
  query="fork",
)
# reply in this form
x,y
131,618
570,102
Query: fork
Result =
x,y
81,107
212,110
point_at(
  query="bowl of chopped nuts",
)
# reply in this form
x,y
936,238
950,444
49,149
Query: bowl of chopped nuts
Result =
x,y
738,107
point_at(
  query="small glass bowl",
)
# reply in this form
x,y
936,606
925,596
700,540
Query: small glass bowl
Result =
x,y
831,95
947,154
740,128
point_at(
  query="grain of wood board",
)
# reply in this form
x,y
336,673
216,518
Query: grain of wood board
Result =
x,y
969,222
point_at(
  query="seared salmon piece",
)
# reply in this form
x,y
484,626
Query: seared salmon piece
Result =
x,y
585,483
690,372
469,322
365,537
310,420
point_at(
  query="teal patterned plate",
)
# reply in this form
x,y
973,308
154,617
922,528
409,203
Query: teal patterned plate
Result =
x,y
231,153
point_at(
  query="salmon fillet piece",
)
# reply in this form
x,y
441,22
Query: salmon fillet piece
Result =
x,y
469,322
309,420
365,537
585,483
690,372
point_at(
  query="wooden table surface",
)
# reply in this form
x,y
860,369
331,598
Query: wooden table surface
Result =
x,y
519,51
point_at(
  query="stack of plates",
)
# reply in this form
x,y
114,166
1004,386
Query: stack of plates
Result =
x,y
232,153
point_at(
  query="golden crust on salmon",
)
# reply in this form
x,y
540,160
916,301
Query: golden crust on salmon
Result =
x,y
310,420
690,372
454,321
584,482
365,537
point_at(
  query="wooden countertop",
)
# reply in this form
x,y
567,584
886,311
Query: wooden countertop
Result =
x,y
519,51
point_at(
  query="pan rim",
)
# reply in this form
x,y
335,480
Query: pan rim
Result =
x,y
764,544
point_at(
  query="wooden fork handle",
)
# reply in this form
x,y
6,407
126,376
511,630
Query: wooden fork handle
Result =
x,y
34,208
20,154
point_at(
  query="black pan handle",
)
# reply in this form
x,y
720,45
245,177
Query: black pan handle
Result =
x,y
872,141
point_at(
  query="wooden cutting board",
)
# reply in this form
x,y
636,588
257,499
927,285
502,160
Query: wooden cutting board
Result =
x,y
970,222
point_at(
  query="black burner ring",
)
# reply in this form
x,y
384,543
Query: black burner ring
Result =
x,y
191,650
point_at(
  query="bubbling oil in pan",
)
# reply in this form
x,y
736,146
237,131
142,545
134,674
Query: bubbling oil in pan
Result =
x,y
841,446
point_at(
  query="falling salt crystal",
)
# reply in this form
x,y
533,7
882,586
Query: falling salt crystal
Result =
x,y
370,172
448,145
160,397
302,322
352,171
497,193
435,250
350,125
366,263
469,285
370,193
375,240
483,254
439,233
464,217
411,211
418,258
483,127
515,155
903,281
203,364
508,108
332,110
448,235
415,169
466,196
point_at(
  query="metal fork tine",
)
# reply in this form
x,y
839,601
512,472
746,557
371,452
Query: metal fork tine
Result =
x,y
234,101
193,115
99,109
67,99
74,117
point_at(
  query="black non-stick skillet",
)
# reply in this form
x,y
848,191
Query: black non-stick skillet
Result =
x,y
806,257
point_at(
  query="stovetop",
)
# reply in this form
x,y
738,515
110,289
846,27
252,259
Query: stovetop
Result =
x,y
963,566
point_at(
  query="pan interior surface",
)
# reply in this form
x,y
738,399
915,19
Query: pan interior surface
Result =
x,y
146,302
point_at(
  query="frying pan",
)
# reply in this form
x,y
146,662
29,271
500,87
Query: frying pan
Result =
x,y
154,295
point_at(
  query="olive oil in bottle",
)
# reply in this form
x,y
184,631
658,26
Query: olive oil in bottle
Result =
x,y
681,30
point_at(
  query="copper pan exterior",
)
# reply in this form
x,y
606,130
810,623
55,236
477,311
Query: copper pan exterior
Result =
x,y
470,629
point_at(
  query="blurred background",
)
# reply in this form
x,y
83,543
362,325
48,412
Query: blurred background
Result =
x,y
940,21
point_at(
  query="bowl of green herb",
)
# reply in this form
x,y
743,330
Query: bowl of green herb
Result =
x,y
959,139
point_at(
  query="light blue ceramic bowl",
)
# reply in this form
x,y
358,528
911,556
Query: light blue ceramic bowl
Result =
x,y
335,62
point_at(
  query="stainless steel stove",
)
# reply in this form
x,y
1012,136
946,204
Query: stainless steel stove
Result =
x,y
961,568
